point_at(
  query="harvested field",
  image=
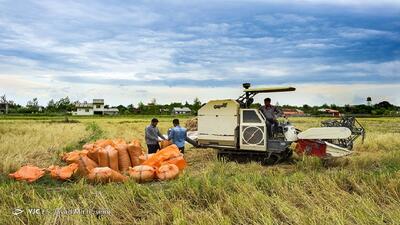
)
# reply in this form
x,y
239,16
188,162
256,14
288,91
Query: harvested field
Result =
x,y
363,188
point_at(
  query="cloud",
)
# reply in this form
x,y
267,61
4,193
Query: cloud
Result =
x,y
193,46
284,19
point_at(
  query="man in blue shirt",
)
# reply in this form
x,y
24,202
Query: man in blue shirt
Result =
x,y
178,135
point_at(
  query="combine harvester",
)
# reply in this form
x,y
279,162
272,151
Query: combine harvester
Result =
x,y
240,132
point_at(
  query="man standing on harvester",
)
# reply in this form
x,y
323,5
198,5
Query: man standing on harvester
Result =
x,y
271,113
178,135
151,135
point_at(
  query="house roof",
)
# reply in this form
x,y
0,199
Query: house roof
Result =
x,y
182,109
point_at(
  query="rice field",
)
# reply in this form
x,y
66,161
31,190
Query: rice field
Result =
x,y
363,188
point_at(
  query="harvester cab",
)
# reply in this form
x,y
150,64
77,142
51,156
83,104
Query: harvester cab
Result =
x,y
240,132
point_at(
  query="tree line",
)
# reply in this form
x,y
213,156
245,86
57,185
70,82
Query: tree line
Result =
x,y
66,106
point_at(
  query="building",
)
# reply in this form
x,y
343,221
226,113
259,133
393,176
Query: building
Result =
x,y
94,108
293,112
181,111
332,112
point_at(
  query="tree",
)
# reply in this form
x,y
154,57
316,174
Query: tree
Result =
x,y
33,105
51,106
384,104
196,105
64,105
3,99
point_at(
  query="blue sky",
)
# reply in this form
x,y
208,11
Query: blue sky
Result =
x,y
130,51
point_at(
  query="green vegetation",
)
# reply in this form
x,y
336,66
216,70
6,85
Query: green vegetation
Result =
x,y
363,188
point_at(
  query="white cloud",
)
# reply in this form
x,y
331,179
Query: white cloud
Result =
x,y
284,19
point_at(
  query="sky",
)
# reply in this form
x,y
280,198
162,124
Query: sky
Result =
x,y
334,52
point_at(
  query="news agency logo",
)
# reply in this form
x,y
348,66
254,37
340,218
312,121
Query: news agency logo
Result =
x,y
33,211
17,211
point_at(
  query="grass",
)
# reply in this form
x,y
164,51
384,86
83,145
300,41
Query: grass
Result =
x,y
363,188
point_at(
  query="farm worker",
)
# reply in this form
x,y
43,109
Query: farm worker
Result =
x,y
271,113
178,135
151,135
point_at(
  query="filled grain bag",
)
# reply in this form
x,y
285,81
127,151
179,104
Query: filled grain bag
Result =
x,y
167,172
145,157
142,173
165,143
135,150
85,165
73,157
103,143
118,141
162,155
28,173
108,157
178,161
124,160
63,173
93,154
105,175
88,146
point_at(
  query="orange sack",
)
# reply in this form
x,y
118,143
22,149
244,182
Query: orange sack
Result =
x,y
28,173
135,150
108,157
165,143
88,146
85,165
103,143
164,154
142,173
167,172
117,142
145,157
179,161
124,161
105,175
93,154
63,173
73,157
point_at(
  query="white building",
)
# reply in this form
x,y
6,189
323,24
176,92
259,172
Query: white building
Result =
x,y
181,111
95,108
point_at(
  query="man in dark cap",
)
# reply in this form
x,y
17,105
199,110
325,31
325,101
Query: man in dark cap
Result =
x,y
271,114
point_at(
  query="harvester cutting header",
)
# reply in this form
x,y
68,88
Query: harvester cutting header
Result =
x,y
241,132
